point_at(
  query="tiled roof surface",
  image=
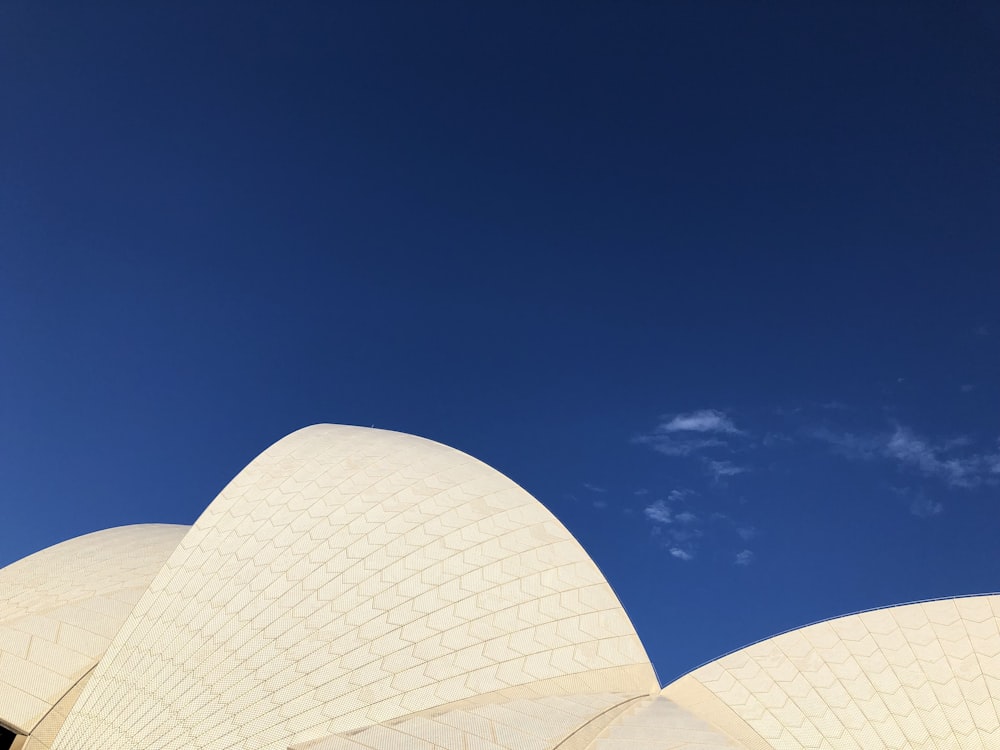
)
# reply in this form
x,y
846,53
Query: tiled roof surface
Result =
x,y
60,608
347,577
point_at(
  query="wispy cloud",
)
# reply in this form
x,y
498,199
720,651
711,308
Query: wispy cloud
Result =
x,y
744,558
684,533
906,447
950,460
704,420
924,507
690,433
721,469
678,532
659,512
593,488
712,439
849,444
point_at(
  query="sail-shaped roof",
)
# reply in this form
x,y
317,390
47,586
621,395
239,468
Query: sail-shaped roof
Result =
x,y
923,675
60,608
351,576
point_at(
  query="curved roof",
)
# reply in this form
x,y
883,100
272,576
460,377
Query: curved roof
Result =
x,y
60,608
921,675
538,723
586,721
349,577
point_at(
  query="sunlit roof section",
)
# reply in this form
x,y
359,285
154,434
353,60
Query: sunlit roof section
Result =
x,y
348,577
921,675
60,608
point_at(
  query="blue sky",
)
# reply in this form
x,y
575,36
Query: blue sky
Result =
x,y
716,282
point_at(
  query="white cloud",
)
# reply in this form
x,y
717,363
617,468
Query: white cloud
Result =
x,y
746,532
593,488
704,420
710,437
659,512
949,461
690,433
679,534
907,447
904,446
720,469
992,463
744,558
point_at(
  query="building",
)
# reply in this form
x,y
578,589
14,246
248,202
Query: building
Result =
x,y
356,589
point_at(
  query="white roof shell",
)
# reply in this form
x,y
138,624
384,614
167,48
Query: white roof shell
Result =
x,y
60,608
349,577
921,676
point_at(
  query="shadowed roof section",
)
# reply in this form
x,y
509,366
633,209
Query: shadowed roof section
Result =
x,y
586,721
349,577
60,608
921,675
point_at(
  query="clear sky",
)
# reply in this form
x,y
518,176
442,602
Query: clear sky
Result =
x,y
715,281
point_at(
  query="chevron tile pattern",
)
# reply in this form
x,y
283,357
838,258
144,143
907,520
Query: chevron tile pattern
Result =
x,y
916,677
349,577
60,608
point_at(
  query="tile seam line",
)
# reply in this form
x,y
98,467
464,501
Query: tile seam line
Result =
x,y
53,707
840,681
955,677
358,688
398,727
105,588
440,609
290,587
773,711
320,543
982,672
592,719
918,662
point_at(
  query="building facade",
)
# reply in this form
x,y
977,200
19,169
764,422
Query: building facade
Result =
x,y
358,589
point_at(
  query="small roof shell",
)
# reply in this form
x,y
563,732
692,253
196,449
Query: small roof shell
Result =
x,y
60,608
